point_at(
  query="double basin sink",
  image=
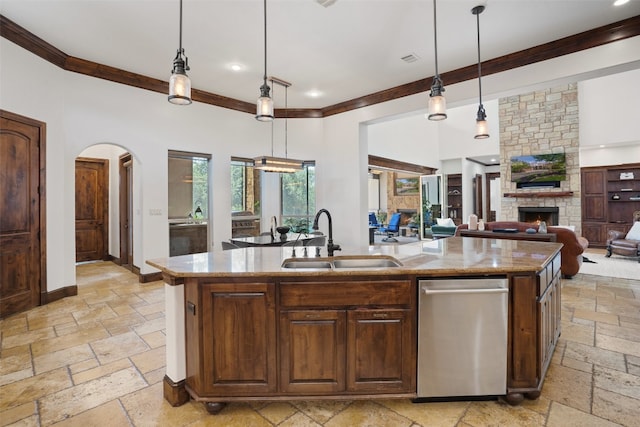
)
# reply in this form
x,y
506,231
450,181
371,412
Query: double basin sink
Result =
x,y
342,262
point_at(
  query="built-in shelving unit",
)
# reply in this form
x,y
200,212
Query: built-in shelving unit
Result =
x,y
454,197
610,196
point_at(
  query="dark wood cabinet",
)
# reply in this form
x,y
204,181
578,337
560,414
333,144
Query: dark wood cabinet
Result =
x,y
187,239
231,339
454,197
248,339
332,343
610,195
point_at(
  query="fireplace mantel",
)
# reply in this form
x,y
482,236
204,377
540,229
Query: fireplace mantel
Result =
x,y
541,194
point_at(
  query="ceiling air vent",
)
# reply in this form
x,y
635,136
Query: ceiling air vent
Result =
x,y
412,57
325,3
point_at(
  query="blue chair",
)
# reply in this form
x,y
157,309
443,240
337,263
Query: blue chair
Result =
x,y
373,221
393,229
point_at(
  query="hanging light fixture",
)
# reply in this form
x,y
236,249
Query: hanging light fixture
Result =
x,y
264,111
279,164
437,102
179,83
482,128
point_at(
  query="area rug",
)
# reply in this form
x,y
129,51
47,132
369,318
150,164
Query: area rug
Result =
x,y
616,266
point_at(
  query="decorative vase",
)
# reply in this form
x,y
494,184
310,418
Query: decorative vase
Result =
x,y
473,222
542,228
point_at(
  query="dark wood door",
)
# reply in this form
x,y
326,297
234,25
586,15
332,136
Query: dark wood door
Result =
x,y
92,204
22,259
126,211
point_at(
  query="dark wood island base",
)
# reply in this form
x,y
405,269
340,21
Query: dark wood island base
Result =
x,y
279,334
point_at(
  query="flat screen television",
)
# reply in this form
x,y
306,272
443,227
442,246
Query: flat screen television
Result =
x,y
539,168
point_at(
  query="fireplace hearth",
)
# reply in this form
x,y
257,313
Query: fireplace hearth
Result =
x,y
536,214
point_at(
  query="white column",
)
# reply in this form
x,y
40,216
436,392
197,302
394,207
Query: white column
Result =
x,y
175,340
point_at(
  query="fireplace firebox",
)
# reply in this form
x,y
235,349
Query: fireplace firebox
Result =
x,y
536,214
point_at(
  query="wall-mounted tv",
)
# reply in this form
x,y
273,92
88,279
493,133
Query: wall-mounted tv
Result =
x,y
539,168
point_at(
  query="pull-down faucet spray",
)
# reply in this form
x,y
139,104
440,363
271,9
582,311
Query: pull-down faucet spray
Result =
x,y
330,246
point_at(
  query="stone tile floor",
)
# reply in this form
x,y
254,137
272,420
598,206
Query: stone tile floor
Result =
x,y
97,359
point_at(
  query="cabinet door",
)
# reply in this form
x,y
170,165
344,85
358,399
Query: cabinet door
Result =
x,y
312,351
380,349
594,195
549,310
239,339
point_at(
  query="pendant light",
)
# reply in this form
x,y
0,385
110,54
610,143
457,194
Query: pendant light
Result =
x,y
482,128
279,164
437,102
264,112
179,83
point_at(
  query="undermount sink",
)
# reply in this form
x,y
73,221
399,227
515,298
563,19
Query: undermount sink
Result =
x,y
363,262
306,263
366,262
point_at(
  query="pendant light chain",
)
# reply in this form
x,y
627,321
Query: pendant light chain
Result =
x,y
180,36
265,42
435,36
482,129
437,101
286,121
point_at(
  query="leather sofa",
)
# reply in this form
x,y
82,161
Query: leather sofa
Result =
x,y
572,245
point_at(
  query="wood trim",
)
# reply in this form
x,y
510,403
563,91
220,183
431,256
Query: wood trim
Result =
x,y
57,294
396,165
174,393
541,194
42,129
586,40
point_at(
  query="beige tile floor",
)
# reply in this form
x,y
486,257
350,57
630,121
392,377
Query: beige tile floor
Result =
x,y
97,359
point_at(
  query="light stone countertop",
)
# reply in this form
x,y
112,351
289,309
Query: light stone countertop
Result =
x,y
450,256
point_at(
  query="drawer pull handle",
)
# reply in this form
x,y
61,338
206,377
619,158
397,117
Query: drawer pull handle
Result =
x,y
380,315
312,316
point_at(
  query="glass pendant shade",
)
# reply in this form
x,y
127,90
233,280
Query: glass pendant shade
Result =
x,y
179,88
482,127
437,102
264,111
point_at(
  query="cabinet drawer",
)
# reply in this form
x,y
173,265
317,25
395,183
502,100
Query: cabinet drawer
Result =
x,y
346,293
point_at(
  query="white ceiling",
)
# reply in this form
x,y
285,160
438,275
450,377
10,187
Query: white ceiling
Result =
x,y
349,49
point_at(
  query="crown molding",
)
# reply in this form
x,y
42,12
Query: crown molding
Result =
x,y
586,40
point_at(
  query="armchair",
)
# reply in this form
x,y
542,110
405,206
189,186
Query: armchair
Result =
x,y
625,244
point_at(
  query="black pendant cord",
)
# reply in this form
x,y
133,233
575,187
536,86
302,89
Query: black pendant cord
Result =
x,y
180,37
435,37
265,42
286,122
479,63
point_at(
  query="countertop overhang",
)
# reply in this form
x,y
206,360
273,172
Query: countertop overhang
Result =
x,y
453,255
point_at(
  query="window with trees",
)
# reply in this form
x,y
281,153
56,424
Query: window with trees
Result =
x,y
298,198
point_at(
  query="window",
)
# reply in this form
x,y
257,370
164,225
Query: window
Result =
x,y
188,185
298,198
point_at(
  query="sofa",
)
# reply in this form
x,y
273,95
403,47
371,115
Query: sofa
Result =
x,y
572,245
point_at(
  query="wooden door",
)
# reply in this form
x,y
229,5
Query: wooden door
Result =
x,y
22,221
126,211
92,204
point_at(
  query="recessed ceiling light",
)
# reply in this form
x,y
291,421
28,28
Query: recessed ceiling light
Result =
x,y
602,145
493,160
314,93
235,67
620,2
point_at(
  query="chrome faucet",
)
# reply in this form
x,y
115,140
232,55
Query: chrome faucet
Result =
x,y
330,246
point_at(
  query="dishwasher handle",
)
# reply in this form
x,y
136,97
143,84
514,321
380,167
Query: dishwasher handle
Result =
x,y
465,291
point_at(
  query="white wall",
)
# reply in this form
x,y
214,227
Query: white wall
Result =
x,y
81,111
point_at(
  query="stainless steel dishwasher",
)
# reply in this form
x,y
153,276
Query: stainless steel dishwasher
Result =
x,y
462,337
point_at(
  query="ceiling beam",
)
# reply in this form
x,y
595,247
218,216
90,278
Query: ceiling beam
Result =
x,y
586,40
398,166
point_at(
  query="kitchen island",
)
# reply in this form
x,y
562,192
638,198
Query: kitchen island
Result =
x,y
257,324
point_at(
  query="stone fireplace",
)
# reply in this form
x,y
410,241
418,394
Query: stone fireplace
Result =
x,y
536,214
406,215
